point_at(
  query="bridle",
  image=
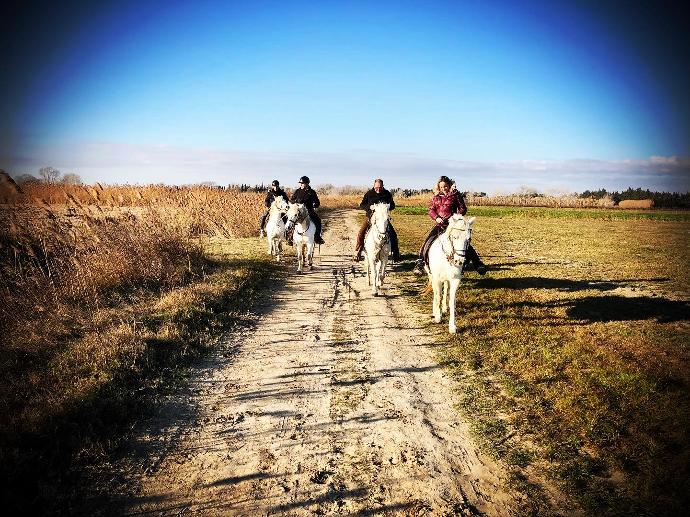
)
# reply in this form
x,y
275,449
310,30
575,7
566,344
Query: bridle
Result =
x,y
380,235
456,257
281,207
300,216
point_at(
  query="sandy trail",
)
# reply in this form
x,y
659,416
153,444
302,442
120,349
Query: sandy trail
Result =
x,y
331,405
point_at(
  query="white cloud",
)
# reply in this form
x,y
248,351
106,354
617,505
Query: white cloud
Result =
x,y
133,163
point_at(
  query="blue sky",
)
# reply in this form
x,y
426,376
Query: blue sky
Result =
x,y
552,95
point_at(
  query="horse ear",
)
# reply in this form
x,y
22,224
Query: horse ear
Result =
x,y
471,221
371,207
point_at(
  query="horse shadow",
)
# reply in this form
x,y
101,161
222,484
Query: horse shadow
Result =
x,y
561,284
599,309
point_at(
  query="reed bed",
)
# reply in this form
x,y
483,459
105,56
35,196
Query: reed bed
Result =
x,y
60,274
201,210
69,254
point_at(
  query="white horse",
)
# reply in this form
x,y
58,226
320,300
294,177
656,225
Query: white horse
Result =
x,y
303,236
275,227
377,246
446,260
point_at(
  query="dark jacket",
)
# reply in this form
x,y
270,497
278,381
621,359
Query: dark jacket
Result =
x,y
372,197
271,195
307,196
445,206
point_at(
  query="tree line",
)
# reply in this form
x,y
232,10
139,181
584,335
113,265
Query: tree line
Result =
x,y
661,199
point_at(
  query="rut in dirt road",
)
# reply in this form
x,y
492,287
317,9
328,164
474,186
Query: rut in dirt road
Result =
x,y
332,405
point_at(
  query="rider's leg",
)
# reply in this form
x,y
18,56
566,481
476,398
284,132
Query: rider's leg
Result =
x,y
317,222
395,250
360,239
474,259
424,250
262,222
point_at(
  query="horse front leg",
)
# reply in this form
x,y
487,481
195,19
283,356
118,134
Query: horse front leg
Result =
x,y
300,256
382,267
310,254
436,307
444,298
372,274
451,302
278,248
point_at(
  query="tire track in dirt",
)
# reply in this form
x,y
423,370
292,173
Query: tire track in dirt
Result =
x,y
331,405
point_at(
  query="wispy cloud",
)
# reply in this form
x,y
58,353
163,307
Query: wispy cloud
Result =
x,y
132,163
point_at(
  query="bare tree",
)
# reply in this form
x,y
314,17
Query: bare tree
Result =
x,y
72,179
49,174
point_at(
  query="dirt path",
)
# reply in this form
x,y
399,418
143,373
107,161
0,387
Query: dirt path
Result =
x,y
331,405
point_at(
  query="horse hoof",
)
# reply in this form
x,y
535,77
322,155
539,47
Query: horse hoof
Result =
x,y
453,330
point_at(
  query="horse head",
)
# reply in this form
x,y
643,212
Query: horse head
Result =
x,y
280,204
380,217
296,213
456,239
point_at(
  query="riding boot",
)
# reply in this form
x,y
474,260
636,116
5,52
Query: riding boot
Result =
x,y
317,222
474,261
395,250
358,256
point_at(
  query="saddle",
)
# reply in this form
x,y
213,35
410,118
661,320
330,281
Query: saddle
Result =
x,y
428,242
426,247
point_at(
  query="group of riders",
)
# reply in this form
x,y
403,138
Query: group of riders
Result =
x,y
446,202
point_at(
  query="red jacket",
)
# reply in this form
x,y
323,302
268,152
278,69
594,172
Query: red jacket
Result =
x,y
445,206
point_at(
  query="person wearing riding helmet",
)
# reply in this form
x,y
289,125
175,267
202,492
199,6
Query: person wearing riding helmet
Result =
x,y
307,195
444,204
378,194
274,192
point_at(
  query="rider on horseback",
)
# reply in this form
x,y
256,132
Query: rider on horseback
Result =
x,y
443,205
378,194
274,192
306,195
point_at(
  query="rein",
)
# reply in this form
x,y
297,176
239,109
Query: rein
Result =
x,y
299,219
453,253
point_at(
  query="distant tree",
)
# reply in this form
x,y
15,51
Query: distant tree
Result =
x,y
71,179
526,191
49,174
27,178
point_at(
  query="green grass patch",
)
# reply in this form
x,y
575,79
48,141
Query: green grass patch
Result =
x,y
572,357
613,214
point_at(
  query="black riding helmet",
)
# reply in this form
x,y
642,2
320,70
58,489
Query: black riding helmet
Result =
x,y
275,183
304,179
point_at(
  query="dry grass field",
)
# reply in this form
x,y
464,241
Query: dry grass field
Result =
x,y
572,356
